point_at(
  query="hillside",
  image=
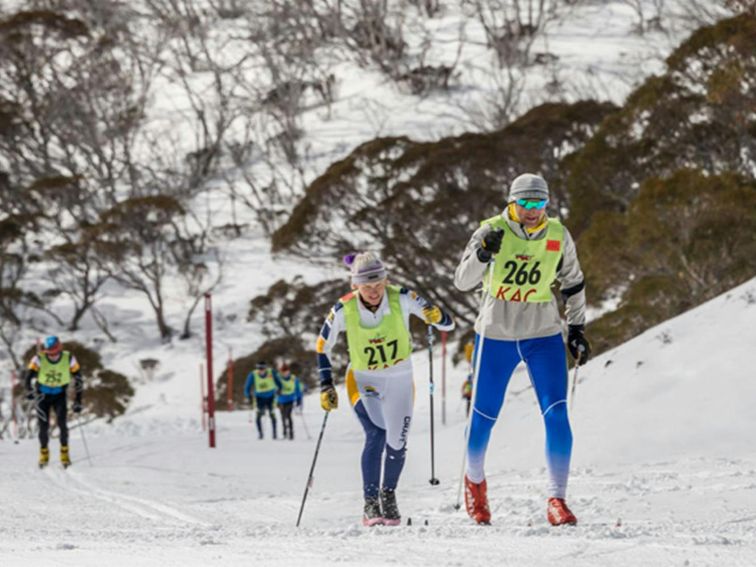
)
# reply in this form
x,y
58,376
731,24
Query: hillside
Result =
x,y
188,139
659,192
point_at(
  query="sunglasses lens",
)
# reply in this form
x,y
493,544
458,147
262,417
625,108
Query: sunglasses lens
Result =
x,y
530,204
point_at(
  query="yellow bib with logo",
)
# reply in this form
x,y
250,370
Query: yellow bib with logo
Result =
x,y
55,374
525,269
264,383
377,347
288,385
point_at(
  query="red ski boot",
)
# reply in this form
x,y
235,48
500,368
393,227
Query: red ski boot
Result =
x,y
558,513
476,501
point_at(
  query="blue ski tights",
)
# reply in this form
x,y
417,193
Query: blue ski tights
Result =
x,y
546,361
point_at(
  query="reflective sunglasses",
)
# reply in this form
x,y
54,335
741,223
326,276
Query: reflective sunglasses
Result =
x,y
532,204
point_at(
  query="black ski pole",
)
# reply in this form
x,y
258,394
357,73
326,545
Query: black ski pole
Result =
x,y
312,468
433,480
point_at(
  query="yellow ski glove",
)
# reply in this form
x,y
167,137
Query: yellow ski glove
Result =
x,y
432,315
329,399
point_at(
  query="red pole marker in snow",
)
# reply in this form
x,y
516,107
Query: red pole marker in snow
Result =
x,y
203,399
443,377
209,357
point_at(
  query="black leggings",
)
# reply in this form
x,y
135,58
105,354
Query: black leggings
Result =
x,y
265,405
58,403
288,424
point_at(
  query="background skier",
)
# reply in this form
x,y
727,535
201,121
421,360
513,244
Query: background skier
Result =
x,y
265,383
289,395
467,392
53,369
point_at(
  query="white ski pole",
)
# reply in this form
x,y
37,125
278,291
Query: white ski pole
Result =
x,y
476,372
304,423
581,349
84,439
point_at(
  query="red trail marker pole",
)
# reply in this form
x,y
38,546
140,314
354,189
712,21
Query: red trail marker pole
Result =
x,y
209,361
203,398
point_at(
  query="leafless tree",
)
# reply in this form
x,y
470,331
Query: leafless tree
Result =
x,y
693,14
77,274
501,104
429,7
78,87
511,26
649,14
198,263
134,240
370,27
16,255
209,77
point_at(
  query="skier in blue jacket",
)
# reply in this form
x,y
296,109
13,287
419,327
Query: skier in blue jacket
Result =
x,y
265,383
289,395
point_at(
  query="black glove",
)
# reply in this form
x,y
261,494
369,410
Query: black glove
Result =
x,y
77,407
580,348
491,245
30,395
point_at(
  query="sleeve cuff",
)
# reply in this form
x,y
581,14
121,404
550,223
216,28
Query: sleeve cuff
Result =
x,y
483,256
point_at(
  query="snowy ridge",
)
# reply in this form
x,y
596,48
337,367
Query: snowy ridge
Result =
x,y
663,474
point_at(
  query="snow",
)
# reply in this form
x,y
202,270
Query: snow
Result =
x,y
663,474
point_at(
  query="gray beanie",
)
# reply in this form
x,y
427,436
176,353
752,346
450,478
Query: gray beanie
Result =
x,y
365,268
528,186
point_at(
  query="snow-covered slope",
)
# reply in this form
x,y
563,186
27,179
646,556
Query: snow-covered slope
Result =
x,y
663,474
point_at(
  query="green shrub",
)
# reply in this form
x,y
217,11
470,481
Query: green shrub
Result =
x,y
683,241
418,203
669,123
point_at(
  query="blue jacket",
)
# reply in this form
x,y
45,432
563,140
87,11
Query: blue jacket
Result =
x,y
249,385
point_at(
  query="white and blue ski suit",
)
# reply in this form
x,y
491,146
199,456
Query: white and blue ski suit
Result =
x,y
383,397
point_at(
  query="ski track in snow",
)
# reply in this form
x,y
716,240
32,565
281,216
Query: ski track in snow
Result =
x,y
241,501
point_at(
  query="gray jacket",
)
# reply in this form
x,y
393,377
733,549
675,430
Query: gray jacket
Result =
x,y
512,320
